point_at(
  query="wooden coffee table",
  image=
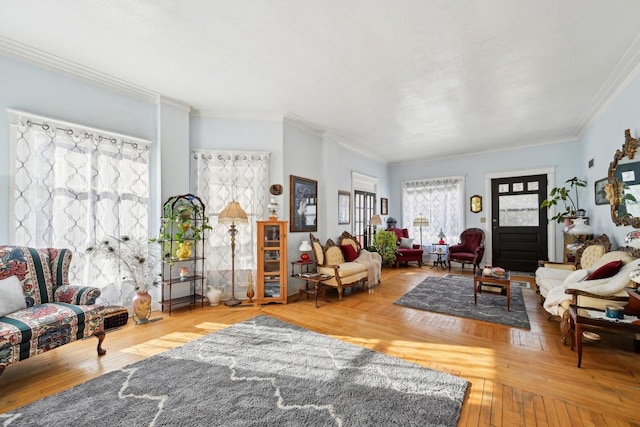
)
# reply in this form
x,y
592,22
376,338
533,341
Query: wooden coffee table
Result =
x,y
503,282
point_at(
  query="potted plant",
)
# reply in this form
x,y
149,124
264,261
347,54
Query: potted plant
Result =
x,y
183,224
563,195
386,243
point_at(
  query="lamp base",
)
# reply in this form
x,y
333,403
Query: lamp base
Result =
x,y
304,257
232,301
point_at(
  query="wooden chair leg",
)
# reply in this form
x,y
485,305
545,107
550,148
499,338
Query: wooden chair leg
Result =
x,y
565,327
2,369
100,335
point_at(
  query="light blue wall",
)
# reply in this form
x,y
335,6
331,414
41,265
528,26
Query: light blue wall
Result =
x,y
564,158
299,152
600,143
39,91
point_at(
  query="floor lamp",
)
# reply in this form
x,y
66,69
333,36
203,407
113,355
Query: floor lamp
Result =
x,y
233,214
421,221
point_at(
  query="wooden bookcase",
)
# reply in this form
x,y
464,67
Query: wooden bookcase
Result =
x,y
271,276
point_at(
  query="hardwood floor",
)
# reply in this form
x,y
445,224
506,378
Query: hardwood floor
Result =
x,y
517,377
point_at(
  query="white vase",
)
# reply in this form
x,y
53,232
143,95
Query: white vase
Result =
x,y
579,227
214,295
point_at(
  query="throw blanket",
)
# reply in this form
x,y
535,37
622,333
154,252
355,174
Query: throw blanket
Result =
x,y
373,261
602,287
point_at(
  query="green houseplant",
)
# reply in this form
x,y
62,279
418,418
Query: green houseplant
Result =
x,y
385,243
183,222
564,196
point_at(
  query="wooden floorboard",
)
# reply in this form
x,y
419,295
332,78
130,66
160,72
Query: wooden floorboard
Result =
x,y
517,377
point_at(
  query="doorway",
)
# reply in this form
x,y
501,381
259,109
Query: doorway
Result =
x,y
518,225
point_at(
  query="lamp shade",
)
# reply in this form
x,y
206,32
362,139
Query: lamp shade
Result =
x,y
232,214
441,234
421,221
375,220
305,246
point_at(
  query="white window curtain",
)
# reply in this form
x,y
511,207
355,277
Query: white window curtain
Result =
x,y
74,185
221,177
441,200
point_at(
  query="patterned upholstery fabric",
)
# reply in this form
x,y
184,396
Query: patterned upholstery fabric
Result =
x,y
56,312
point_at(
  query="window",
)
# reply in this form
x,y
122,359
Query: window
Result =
x,y
74,185
221,177
441,200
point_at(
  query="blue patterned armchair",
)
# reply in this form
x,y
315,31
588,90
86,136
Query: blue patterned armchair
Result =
x,y
54,313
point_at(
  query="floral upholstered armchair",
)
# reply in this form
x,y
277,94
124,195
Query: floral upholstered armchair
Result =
x,y
39,310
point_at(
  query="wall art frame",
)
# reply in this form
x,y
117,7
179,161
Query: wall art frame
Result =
x,y
303,204
384,206
344,207
600,195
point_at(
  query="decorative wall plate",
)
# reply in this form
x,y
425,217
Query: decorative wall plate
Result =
x,y
276,189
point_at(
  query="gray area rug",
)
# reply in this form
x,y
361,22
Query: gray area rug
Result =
x,y
454,296
260,372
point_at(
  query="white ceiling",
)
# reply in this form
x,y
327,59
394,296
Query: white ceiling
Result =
x,y
399,79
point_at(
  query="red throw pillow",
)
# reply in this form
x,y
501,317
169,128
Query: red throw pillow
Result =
x,y
348,252
607,270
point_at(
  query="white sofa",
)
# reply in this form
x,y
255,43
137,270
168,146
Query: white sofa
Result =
x,y
560,285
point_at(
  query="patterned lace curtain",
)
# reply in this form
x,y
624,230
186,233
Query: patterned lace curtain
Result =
x,y
441,201
220,177
74,185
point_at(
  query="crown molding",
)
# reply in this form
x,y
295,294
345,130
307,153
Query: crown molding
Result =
x,y
623,73
498,149
263,115
46,60
297,121
173,103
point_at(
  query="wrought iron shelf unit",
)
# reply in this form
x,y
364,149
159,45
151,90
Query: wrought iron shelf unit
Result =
x,y
183,223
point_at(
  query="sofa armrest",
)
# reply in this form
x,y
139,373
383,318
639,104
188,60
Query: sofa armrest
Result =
x,y
76,295
559,265
580,293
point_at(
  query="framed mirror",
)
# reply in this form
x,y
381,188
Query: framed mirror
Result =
x,y
623,184
475,203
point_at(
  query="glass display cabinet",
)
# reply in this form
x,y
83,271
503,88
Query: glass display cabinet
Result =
x,y
271,278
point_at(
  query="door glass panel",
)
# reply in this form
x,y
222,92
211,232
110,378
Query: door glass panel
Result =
x,y
503,188
271,286
518,186
272,260
532,186
272,236
519,210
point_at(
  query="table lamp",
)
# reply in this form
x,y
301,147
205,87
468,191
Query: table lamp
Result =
x,y
441,236
304,248
233,214
421,221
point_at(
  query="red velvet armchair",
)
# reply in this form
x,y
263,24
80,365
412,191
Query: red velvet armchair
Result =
x,y
470,250
406,254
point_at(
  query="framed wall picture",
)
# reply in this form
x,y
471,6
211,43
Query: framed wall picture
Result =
x,y
303,204
601,197
475,203
344,207
384,206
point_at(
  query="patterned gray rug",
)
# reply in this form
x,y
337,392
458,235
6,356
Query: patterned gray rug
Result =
x,y
260,372
453,295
